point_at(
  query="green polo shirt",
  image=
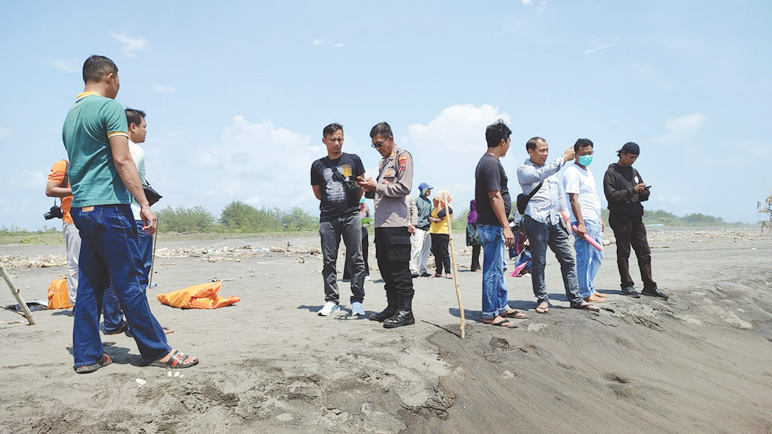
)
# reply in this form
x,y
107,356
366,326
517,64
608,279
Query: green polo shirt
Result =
x,y
86,134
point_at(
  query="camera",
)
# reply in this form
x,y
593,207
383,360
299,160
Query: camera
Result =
x,y
54,212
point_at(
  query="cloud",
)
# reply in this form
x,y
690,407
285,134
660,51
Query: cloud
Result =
x,y
600,44
130,45
5,133
67,65
338,45
317,42
163,89
682,130
28,179
539,7
446,149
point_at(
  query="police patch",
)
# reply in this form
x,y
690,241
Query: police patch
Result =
x,y
402,162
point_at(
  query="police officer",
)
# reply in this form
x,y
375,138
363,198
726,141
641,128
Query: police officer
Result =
x,y
392,238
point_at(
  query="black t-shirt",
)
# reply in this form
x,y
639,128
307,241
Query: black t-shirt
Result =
x,y
339,198
489,176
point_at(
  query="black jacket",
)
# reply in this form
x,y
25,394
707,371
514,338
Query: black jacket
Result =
x,y
619,186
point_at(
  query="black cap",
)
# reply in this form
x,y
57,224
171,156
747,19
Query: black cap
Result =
x,y
630,148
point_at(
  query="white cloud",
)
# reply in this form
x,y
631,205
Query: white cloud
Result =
x,y
4,133
527,2
30,180
600,44
130,45
317,42
446,150
539,7
163,89
67,65
338,45
682,130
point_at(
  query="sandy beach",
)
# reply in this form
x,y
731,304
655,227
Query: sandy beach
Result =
x,y
698,363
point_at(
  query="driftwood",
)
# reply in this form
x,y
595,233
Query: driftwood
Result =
x,y
19,299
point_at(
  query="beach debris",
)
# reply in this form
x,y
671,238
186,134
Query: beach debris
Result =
x,y
140,382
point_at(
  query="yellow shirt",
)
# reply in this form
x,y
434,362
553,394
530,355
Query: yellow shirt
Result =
x,y
442,226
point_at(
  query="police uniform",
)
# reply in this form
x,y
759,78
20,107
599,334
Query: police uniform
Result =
x,y
392,239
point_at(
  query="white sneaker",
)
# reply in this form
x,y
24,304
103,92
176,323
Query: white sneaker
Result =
x,y
357,309
368,278
328,309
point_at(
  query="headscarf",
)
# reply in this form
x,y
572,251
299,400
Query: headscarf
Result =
x,y
472,216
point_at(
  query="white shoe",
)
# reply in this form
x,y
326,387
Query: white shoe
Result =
x,y
368,278
357,309
328,309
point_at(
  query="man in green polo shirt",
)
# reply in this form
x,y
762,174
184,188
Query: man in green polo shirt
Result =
x,y
101,170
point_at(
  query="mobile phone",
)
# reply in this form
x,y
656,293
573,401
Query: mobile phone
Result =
x,y
648,187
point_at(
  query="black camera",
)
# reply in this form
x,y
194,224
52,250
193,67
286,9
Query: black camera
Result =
x,y
54,212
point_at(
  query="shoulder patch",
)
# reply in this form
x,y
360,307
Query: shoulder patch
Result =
x,y
402,162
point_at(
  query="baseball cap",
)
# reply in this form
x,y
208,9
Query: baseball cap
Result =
x,y
630,148
424,186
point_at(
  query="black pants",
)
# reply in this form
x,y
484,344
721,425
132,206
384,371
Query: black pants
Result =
x,y
630,231
476,248
347,265
392,249
440,252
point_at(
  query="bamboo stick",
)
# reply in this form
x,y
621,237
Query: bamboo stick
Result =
x,y
17,294
455,268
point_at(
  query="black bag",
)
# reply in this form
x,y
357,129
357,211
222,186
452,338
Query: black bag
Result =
x,y
522,199
151,195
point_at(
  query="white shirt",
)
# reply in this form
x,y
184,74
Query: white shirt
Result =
x,y
580,181
138,155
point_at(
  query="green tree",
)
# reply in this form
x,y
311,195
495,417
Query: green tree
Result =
x,y
181,219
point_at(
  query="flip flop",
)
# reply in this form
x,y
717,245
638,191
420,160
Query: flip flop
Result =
x,y
122,328
503,323
543,309
87,369
514,314
176,361
587,306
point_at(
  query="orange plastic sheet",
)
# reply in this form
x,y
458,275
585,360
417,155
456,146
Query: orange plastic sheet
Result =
x,y
202,296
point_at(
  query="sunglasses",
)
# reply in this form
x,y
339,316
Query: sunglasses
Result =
x,y
377,145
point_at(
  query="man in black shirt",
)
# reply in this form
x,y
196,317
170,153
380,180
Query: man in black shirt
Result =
x,y
493,208
625,190
333,179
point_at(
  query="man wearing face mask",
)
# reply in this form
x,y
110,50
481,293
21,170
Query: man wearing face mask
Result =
x,y
584,209
625,190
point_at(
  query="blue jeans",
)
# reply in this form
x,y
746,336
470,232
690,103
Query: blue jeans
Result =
x,y
111,310
109,253
541,235
588,258
495,299
350,228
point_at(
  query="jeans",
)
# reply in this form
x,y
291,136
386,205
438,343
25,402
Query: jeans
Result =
x,y
111,309
365,244
420,244
330,232
495,298
555,236
631,231
588,258
72,244
392,249
109,253
441,254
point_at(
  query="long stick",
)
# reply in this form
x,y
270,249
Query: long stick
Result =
x,y
455,269
152,261
15,292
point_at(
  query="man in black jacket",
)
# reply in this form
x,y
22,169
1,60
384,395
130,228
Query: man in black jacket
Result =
x,y
625,190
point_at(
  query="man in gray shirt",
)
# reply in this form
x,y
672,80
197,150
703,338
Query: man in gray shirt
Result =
x,y
392,238
420,241
544,224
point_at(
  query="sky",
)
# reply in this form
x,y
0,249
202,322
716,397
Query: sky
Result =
x,y
237,92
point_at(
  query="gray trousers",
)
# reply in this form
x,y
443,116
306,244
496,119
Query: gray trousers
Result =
x,y
72,244
350,229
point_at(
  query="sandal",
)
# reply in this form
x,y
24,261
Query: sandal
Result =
x,y
543,308
587,306
503,323
514,314
122,328
87,369
176,361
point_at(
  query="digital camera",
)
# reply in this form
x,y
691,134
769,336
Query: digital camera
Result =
x,y
54,212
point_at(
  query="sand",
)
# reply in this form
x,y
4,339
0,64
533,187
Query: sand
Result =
x,y
699,362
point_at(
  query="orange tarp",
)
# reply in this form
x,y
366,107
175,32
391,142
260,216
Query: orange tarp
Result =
x,y
58,298
198,297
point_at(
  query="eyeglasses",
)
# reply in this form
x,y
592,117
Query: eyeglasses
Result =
x,y
377,145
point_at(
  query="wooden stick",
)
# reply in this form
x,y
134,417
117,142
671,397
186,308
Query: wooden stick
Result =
x,y
15,292
455,269
152,261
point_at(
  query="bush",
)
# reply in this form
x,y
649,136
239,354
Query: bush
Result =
x,y
181,219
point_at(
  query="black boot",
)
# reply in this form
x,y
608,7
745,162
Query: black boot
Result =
x,y
387,313
403,317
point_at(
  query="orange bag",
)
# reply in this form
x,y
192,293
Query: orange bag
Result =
x,y
58,298
197,297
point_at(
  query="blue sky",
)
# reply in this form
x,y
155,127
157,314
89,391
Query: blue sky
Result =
x,y
237,93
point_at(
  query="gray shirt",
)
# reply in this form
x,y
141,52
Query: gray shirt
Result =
x,y
546,204
395,179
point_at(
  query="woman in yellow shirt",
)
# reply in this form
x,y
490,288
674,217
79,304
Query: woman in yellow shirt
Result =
x,y
440,234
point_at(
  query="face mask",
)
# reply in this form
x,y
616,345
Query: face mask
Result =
x,y
585,160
